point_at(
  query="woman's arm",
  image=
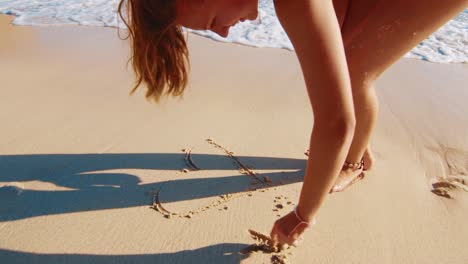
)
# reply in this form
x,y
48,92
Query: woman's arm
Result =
x,y
313,28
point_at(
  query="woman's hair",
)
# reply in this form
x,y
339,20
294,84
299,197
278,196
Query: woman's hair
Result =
x,y
159,50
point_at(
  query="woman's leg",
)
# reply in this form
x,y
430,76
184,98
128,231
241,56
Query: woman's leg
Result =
x,y
377,33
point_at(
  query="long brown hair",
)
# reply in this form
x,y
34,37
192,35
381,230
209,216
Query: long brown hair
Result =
x,y
159,50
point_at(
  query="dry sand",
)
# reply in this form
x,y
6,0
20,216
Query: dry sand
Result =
x,y
80,160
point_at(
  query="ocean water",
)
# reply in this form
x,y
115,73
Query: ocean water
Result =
x,y
448,45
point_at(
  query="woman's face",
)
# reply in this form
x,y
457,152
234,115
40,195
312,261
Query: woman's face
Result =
x,y
215,15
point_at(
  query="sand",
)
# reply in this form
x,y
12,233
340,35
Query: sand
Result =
x,y
81,160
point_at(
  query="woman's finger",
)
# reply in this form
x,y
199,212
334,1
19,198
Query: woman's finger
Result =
x,y
279,237
274,234
298,241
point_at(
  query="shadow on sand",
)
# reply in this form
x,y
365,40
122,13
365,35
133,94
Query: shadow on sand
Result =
x,y
225,253
95,190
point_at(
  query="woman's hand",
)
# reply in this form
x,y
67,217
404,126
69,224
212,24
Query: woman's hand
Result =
x,y
289,229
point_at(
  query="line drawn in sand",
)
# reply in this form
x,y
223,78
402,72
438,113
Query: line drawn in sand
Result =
x,y
188,159
258,183
263,243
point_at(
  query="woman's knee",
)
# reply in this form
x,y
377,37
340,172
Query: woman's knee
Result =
x,y
362,81
361,72
365,99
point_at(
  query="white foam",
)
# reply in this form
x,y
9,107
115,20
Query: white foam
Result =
x,y
62,12
448,45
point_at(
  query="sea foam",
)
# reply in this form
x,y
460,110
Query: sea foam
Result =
x,y
448,45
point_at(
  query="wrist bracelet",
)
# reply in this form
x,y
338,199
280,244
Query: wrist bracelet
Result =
x,y
302,220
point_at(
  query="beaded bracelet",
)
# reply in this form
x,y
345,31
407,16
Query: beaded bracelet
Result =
x,y
356,165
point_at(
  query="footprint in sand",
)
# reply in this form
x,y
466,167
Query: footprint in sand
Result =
x,y
457,161
453,170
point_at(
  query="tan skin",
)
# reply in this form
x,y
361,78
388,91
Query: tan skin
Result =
x,y
342,46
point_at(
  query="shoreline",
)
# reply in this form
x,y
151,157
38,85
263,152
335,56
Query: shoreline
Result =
x,y
219,39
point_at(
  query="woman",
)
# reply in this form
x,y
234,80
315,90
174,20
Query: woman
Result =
x,y
342,47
